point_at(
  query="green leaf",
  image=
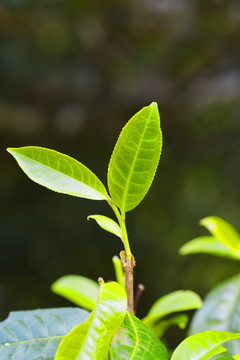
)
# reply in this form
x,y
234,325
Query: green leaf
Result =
x,y
118,270
91,340
36,334
107,224
78,289
209,245
224,356
135,158
135,341
176,301
223,231
160,327
220,311
203,346
59,172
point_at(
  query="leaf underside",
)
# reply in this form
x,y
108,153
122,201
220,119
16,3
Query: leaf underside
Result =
x,y
135,158
135,341
36,334
59,172
220,311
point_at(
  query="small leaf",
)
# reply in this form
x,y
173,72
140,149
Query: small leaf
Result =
x,y
159,328
78,289
223,231
118,270
176,301
203,346
36,334
59,172
220,311
107,224
209,245
91,340
135,158
135,341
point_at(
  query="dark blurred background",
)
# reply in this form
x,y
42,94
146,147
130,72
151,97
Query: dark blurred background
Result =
x,y
72,73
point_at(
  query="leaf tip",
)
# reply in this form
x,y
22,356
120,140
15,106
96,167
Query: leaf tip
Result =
x,y
10,150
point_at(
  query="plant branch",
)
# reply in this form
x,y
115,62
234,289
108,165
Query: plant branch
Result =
x,y
128,265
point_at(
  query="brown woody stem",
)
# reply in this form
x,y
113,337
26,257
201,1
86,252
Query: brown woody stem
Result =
x,y
128,265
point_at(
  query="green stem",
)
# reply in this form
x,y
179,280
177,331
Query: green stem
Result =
x,y
121,220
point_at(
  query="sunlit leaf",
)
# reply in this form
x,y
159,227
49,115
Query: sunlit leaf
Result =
x,y
135,341
220,311
78,289
209,245
203,346
36,334
107,224
176,301
224,356
59,172
135,158
223,231
160,327
91,340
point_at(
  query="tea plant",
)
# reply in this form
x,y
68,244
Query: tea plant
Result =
x,y
111,330
221,307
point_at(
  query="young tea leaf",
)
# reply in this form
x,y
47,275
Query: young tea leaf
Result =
x,y
59,172
135,341
36,334
78,289
223,231
220,311
107,224
91,340
209,245
203,346
176,301
118,270
135,158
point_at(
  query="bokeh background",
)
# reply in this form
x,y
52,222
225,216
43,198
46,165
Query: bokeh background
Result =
x,y
72,73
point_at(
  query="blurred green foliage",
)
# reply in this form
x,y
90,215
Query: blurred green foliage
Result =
x,y
73,72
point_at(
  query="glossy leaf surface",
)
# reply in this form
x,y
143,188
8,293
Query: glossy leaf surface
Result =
x,y
135,341
91,340
209,245
36,334
107,224
78,289
176,301
203,346
160,327
135,158
223,231
59,172
220,311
